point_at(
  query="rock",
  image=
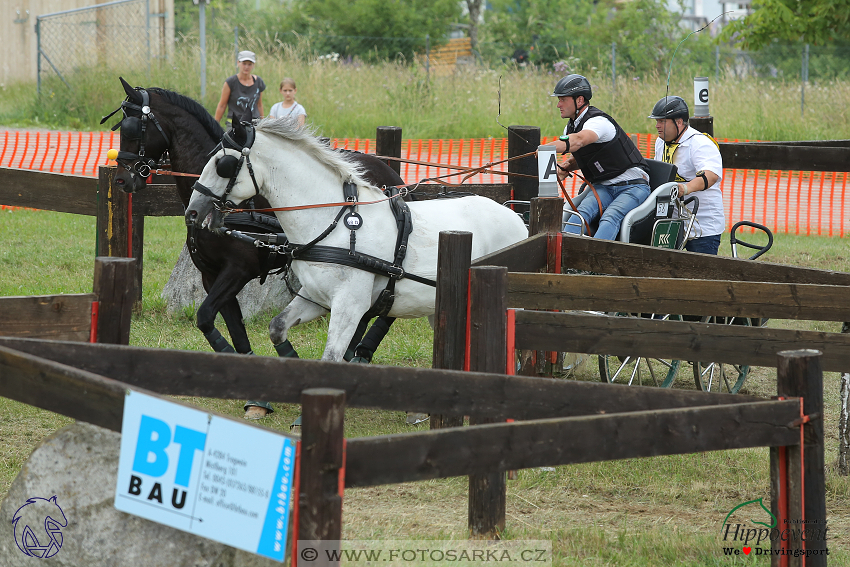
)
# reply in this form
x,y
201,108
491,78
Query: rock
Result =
x,y
79,465
185,289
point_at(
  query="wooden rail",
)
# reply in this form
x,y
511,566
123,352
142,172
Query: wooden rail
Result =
x,y
391,459
622,259
73,317
58,317
678,340
201,374
682,296
790,156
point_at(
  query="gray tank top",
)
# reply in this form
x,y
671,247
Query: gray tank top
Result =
x,y
244,99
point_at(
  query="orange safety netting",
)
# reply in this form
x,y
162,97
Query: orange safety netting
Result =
x,y
798,202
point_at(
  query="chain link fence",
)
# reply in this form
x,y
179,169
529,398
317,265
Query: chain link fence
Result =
x,y
782,61
115,34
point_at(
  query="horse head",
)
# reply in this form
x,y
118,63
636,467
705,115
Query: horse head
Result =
x,y
228,178
143,139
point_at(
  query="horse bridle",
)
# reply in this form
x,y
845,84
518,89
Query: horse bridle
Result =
x,y
134,128
229,166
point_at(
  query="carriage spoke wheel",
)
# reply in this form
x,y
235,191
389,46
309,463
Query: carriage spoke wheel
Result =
x,y
720,376
639,370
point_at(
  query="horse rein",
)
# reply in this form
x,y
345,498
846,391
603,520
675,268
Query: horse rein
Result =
x,y
466,171
570,201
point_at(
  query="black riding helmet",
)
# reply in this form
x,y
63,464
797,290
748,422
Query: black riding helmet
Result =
x,y
573,85
671,107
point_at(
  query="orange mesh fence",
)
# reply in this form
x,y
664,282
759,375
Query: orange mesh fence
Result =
x,y
797,202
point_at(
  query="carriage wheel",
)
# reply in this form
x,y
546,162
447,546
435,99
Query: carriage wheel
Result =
x,y
639,371
719,376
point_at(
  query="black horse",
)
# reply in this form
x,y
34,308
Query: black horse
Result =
x,y
157,120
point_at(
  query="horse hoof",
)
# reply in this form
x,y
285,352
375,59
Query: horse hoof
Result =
x,y
255,412
416,418
360,360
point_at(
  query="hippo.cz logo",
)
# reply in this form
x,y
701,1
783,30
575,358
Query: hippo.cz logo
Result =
x,y
38,527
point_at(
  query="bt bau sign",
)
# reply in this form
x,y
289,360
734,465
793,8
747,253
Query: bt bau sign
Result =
x,y
204,474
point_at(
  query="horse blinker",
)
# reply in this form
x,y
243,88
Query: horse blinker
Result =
x,y
131,127
226,166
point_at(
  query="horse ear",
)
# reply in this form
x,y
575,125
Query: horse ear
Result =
x,y
131,92
239,130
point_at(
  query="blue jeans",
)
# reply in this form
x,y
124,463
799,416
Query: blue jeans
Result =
x,y
704,244
617,200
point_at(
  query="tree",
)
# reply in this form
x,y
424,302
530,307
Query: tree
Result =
x,y
582,31
810,21
474,7
364,27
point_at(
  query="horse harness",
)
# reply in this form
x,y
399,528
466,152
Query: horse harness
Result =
x,y
228,167
134,128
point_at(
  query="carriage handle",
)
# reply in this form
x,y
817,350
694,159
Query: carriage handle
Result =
x,y
735,241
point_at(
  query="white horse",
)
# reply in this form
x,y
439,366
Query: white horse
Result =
x,y
291,167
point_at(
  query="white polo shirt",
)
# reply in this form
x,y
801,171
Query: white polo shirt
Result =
x,y
696,152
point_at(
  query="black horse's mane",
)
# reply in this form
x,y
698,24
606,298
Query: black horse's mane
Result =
x,y
194,108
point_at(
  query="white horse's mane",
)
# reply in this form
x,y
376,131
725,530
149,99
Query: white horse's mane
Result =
x,y
305,137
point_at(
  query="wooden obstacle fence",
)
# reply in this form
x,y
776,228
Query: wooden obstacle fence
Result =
x,y
568,422
101,316
602,335
489,298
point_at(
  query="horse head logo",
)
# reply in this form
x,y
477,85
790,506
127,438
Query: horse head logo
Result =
x,y
38,527
771,518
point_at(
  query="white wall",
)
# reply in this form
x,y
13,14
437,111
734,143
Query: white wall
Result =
x,y
18,44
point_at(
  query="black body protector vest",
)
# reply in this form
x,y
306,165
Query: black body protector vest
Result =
x,y
599,162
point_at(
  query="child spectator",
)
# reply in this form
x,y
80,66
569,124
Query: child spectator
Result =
x,y
289,108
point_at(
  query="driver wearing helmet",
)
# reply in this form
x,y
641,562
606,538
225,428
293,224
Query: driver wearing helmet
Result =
x,y
606,156
700,169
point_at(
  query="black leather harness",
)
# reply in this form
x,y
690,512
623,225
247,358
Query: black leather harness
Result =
x,y
313,252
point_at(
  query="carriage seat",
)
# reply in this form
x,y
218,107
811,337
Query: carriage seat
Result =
x,y
638,223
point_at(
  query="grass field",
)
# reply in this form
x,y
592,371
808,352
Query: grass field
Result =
x,y
351,100
643,512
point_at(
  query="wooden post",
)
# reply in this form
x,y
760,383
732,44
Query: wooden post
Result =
x,y
120,232
704,124
320,501
546,217
844,419
487,353
115,286
521,140
138,240
454,255
113,218
799,374
388,143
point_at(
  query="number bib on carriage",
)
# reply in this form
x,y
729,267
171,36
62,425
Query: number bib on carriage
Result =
x,y
205,474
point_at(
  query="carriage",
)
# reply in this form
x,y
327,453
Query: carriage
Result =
x,y
664,220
